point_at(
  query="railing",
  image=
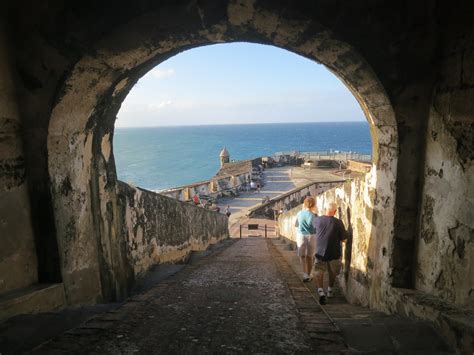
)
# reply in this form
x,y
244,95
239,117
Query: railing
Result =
x,y
328,155
251,226
291,198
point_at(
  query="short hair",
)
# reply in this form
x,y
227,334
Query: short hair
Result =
x,y
331,206
309,202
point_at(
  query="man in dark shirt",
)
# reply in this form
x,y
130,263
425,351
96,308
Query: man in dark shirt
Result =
x,y
330,232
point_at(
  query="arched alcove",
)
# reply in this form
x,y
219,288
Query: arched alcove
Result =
x,y
81,163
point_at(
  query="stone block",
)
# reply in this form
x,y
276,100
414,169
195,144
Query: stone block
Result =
x,y
451,71
462,106
34,299
468,68
454,323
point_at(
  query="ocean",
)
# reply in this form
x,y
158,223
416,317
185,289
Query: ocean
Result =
x,y
157,158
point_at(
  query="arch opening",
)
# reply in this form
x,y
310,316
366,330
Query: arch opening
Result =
x,y
81,130
240,95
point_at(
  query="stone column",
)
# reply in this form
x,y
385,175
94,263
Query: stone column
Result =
x,y
18,262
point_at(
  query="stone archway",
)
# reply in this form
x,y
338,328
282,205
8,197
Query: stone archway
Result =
x,y
81,163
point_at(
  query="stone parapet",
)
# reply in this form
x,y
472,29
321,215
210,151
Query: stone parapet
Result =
x,y
33,299
158,229
455,323
291,198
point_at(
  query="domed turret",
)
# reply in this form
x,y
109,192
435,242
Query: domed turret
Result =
x,y
224,156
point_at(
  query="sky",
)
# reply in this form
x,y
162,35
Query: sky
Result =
x,y
237,83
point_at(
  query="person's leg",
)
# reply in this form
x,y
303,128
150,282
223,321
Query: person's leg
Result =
x,y
332,276
309,265
311,252
319,270
303,264
301,245
318,279
334,266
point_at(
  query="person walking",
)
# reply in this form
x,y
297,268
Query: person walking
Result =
x,y
330,233
305,237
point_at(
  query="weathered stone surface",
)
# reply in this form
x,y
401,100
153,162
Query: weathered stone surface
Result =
x,y
18,261
409,66
363,257
158,229
35,299
291,199
235,301
446,248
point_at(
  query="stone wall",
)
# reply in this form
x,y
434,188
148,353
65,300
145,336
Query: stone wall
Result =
x,y
18,262
158,229
77,67
355,198
213,187
445,253
359,166
291,199
409,65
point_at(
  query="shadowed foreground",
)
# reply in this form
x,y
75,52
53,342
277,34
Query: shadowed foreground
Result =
x,y
244,298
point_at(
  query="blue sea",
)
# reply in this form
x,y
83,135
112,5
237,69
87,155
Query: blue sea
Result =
x,y
157,158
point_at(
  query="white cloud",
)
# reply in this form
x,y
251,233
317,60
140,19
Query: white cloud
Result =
x,y
158,106
161,73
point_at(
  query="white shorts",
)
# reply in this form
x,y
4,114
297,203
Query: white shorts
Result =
x,y
306,244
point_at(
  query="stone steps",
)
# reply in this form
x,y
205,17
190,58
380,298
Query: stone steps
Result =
x,y
33,299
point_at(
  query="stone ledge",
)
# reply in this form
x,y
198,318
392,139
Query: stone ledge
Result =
x,y
455,323
33,299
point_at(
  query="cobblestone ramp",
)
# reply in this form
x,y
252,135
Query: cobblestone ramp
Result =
x,y
242,299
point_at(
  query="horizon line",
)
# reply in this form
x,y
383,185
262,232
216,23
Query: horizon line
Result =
x,y
238,124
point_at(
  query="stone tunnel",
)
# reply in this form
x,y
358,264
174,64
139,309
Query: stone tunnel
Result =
x,y
72,234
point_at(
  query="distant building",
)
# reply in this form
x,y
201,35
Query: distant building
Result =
x,y
224,156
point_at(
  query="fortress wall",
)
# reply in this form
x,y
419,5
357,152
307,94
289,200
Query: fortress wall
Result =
x,y
209,187
286,223
291,199
158,229
359,166
445,250
354,198
18,262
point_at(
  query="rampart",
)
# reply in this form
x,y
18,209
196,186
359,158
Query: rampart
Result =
x,y
159,229
212,187
358,166
291,199
355,200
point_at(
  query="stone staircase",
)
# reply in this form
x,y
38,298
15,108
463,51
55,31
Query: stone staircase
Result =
x,y
368,331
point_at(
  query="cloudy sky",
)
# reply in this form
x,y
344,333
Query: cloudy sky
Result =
x,y
237,83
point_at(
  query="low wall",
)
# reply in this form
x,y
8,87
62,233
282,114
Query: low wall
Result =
x,y
159,229
353,197
359,166
212,187
291,199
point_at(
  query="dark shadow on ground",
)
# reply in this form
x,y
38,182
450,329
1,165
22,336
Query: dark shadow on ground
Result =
x,y
368,331
22,333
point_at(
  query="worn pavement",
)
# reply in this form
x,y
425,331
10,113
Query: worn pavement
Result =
x,y
245,296
242,299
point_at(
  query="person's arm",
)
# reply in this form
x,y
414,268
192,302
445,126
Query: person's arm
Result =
x,y
315,223
343,234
